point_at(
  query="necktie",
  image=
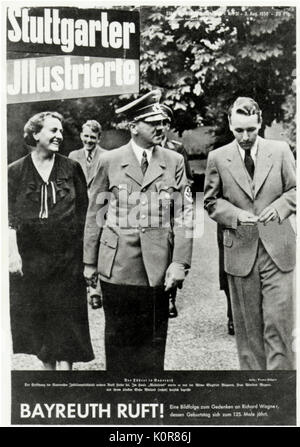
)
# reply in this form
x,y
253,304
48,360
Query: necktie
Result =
x,y
144,163
89,157
249,163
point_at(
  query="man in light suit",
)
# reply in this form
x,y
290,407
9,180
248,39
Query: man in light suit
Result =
x,y
88,158
138,238
88,155
250,190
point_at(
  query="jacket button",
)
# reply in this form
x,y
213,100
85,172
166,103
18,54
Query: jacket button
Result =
x,y
143,230
143,189
143,216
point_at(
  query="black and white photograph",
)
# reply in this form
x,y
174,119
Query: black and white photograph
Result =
x,y
148,215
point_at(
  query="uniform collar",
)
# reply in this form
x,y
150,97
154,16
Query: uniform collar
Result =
x,y
92,152
138,151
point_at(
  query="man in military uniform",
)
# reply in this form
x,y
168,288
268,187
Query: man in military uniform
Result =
x,y
88,158
175,145
138,238
178,147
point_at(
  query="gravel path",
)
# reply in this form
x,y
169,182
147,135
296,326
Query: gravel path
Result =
x,y
197,338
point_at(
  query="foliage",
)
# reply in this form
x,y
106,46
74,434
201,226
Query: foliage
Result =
x,y
289,117
201,58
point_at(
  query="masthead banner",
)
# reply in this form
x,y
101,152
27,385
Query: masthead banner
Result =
x,y
71,53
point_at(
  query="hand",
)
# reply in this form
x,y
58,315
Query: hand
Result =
x,y
15,263
91,275
175,276
15,260
247,218
267,215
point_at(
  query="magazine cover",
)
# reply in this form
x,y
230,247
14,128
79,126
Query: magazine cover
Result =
x,y
148,216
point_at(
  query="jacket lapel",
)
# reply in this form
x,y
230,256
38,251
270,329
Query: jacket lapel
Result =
x,y
132,168
263,164
156,167
237,169
131,164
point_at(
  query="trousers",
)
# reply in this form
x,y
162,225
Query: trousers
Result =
x,y
263,315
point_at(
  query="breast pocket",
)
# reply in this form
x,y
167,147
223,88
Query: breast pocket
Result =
x,y
121,192
167,192
107,251
166,187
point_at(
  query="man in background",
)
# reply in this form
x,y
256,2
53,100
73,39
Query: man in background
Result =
x,y
178,147
175,145
88,155
88,158
250,189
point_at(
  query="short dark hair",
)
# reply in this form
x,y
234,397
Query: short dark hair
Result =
x,y
35,124
93,125
245,106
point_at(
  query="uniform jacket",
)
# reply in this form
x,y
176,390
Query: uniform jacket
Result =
x,y
229,189
176,146
89,170
131,237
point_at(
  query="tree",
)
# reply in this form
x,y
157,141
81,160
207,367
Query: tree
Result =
x,y
204,57
289,118
201,58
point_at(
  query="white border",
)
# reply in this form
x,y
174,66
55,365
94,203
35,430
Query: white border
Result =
x,y
5,339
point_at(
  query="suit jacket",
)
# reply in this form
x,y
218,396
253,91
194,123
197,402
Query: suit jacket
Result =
x,y
229,189
91,169
128,232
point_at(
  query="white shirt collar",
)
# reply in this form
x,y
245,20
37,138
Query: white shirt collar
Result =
x,y
92,152
253,150
138,150
96,148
